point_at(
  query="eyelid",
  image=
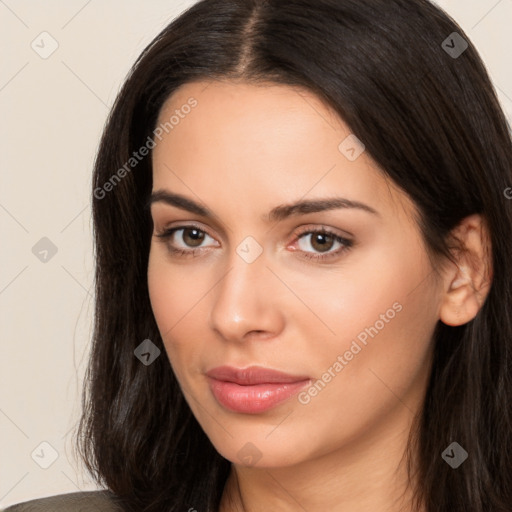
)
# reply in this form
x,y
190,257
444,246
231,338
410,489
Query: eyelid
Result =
x,y
163,211
321,227
347,243
168,231
184,225
297,233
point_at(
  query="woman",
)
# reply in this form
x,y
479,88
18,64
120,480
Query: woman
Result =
x,y
302,229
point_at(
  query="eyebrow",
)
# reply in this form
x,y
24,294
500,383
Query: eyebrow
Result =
x,y
278,213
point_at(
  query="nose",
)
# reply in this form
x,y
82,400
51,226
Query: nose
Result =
x,y
246,301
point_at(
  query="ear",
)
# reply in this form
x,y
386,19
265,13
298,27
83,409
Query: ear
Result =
x,y
466,284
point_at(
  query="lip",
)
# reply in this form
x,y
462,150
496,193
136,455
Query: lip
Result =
x,y
253,375
254,389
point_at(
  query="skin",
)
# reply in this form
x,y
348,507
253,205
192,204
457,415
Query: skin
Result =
x,y
242,151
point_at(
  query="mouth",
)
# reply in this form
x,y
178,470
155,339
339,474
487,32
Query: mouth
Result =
x,y
254,389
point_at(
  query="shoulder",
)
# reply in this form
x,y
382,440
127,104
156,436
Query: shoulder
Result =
x,y
99,501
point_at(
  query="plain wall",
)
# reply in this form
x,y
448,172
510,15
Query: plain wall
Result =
x,y
53,110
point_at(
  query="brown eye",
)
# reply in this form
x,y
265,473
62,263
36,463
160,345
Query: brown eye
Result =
x,y
184,241
192,237
322,241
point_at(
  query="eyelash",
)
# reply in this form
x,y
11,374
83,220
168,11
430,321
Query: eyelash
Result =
x,y
347,244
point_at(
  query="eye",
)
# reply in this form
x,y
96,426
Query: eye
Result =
x,y
322,240
191,236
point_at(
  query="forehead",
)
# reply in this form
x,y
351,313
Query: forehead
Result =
x,y
255,112
261,141
219,94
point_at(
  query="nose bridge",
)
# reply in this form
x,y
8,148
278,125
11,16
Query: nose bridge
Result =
x,y
242,300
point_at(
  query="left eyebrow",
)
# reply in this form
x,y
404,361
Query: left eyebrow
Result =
x,y
316,205
278,213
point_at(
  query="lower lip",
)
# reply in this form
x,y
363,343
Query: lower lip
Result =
x,y
255,398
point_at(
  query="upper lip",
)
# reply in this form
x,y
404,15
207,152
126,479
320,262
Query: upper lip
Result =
x,y
252,375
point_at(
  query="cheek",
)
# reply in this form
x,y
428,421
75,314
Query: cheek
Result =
x,y
381,326
160,293
381,352
177,295
166,302
173,291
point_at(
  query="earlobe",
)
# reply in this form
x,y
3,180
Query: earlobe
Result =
x,y
466,287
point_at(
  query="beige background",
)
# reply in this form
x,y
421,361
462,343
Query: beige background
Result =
x,y
52,112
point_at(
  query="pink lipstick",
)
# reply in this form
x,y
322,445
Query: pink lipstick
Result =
x,y
254,389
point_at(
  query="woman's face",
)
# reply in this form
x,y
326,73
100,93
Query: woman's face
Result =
x,y
349,320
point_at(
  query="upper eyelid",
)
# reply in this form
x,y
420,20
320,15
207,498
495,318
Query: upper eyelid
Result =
x,y
302,231
223,228
154,216
347,243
